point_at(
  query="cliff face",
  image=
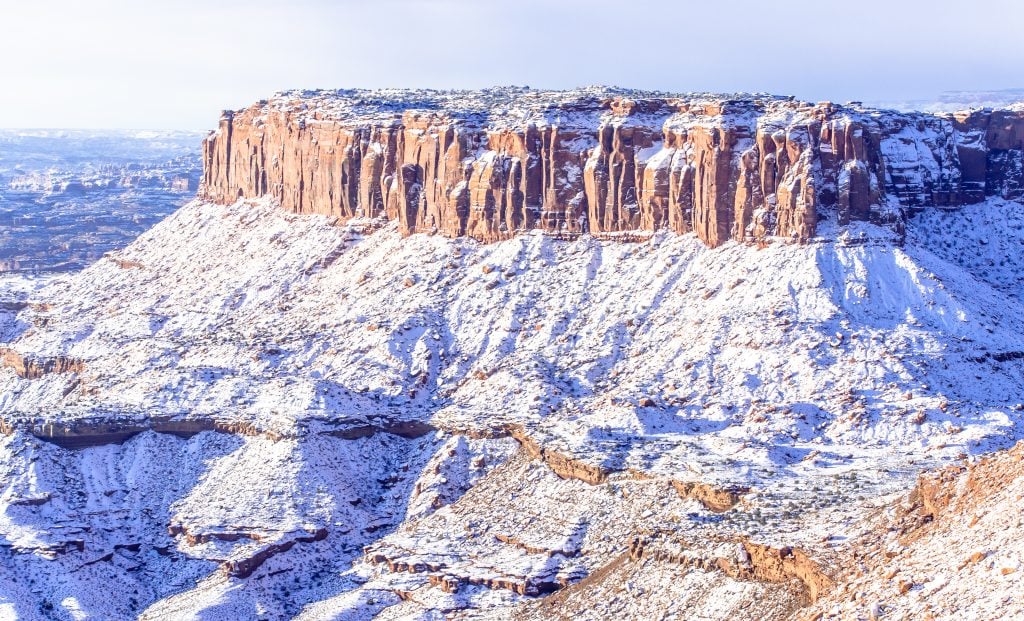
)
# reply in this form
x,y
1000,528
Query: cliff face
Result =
x,y
488,164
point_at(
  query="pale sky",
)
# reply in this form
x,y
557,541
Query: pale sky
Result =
x,y
176,64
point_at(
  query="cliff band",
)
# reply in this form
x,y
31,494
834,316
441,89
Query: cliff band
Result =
x,y
490,163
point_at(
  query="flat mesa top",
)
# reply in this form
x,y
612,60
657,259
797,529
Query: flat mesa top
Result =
x,y
587,107
500,104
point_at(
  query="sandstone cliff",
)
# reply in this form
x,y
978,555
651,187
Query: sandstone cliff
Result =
x,y
488,164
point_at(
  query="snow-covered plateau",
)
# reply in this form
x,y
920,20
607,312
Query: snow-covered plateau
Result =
x,y
253,413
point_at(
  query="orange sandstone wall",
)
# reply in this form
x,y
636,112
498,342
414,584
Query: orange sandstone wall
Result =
x,y
742,169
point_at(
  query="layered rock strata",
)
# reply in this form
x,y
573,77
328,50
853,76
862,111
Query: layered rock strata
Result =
x,y
489,164
751,561
28,367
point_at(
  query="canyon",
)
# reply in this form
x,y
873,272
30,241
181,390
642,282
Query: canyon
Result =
x,y
516,354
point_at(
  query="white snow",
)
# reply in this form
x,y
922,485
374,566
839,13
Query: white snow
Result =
x,y
819,375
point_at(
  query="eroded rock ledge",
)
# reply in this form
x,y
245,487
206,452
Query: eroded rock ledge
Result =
x,y
30,367
89,433
244,566
491,163
749,561
738,558
85,434
715,498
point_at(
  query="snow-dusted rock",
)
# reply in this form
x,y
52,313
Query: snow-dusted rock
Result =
x,y
492,163
253,401
322,411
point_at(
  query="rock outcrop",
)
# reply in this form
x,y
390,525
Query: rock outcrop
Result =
x,y
98,432
750,561
28,367
491,163
959,527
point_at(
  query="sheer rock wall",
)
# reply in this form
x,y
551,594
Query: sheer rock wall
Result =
x,y
489,164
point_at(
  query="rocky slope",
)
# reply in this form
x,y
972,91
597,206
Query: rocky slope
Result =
x,y
949,549
256,413
489,164
336,422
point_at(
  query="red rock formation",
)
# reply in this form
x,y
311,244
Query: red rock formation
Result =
x,y
489,164
761,562
714,498
29,367
243,568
